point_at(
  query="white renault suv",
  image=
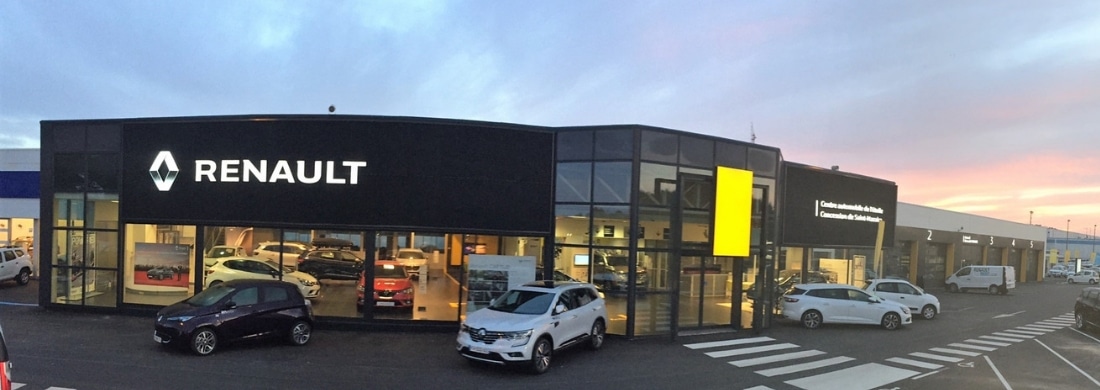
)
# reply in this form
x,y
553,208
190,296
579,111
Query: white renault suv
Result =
x,y
528,324
15,264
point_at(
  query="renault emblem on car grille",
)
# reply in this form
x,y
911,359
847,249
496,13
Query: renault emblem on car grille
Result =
x,y
164,183
481,332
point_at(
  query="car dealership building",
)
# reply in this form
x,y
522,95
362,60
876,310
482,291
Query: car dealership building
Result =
x,y
673,226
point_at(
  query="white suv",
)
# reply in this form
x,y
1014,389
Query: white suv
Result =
x,y
287,252
528,324
15,264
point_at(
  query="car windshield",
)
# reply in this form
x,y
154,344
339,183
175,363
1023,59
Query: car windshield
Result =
x,y
410,255
618,261
389,271
523,302
210,296
222,252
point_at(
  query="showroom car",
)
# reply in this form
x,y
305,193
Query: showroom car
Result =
x,y
413,259
787,278
234,268
15,264
285,254
905,293
1086,311
392,286
820,303
331,264
236,310
611,273
1085,276
219,251
530,323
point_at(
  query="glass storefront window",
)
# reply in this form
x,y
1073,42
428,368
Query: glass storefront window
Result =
x,y
574,145
102,211
696,152
731,155
611,225
656,185
572,223
614,144
659,147
70,173
653,229
763,162
651,310
103,172
611,182
574,182
68,210
157,265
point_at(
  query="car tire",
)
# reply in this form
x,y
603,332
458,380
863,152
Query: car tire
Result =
x,y
994,289
928,312
1079,321
953,288
24,277
214,283
891,321
1071,281
204,341
540,356
597,334
811,319
300,333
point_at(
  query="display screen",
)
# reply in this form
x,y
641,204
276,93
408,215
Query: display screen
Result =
x,y
826,208
580,259
360,171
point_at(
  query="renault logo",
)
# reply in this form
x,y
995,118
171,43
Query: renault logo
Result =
x,y
164,159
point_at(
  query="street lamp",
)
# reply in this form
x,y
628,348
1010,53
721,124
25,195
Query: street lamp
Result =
x,y
1067,240
1030,215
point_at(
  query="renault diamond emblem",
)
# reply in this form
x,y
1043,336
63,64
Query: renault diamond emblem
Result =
x,y
164,183
481,332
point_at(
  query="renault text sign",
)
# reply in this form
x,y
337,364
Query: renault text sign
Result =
x,y
360,171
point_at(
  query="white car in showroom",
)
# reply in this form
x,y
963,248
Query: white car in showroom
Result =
x,y
412,259
903,292
818,303
530,323
286,252
232,268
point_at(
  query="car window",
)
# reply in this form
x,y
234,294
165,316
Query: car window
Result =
x,y
582,296
247,296
234,264
857,295
887,287
9,255
328,255
523,302
389,271
348,256
905,288
275,294
828,293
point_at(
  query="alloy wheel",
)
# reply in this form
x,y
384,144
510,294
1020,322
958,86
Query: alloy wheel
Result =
x,y
891,321
928,312
204,341
300,333
540,356
596,337
811,319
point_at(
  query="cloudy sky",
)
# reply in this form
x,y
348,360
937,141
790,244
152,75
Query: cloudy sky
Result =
x,y
984,107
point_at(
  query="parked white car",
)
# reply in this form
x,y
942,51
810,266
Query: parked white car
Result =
x,y
530,323
232,268
905,293
412,259
818,303
1088,275
1057,271
15,264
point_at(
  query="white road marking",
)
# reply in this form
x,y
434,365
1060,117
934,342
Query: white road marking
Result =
x,y
998,372
746,351
1003,334
761,387
867,376
987,342
955,351
804,366
971,346
948,359
1070,363
1030,328
775,358
911,362
1045,328
726,343
1002,338
1017,331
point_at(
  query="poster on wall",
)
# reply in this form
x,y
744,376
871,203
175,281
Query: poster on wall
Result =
x,y
78,286
162,264
490,276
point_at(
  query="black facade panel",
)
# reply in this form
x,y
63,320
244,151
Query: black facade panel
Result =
x,y
408,173
823,208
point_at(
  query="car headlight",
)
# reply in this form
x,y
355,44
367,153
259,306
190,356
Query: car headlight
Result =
x,y
620,277
517,339
179,318
305,282
407,291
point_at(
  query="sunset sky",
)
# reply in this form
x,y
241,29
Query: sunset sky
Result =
x,y
983,107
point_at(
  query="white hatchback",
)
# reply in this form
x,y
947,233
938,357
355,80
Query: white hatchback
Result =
x,y
903,292
818,303
232,268
1085,276
528,324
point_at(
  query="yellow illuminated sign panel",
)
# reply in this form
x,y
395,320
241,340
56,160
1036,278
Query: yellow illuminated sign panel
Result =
x,y
732,212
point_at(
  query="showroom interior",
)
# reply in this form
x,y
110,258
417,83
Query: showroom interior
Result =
x,y
138,208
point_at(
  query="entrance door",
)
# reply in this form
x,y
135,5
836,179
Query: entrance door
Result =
x,y
705,287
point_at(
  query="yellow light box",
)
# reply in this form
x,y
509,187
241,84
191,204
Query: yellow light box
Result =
x,y
732,212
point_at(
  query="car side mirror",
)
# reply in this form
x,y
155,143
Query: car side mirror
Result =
x,y
560,308
229,305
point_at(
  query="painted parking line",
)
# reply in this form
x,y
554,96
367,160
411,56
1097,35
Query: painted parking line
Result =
x,y
866,376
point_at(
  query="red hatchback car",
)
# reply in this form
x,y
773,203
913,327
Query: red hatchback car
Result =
x,y
392,286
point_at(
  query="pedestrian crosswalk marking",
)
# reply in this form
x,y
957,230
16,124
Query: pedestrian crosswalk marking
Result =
x,y
804,366
975,341
746,351
1001,338
1003,334
936,357
1031,328
972,346
1048,328
915,363
1022,332
726,343
867,376
776,358
955,351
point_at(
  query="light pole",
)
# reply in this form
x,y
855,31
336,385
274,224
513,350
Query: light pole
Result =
x,y
1030,215
1067,241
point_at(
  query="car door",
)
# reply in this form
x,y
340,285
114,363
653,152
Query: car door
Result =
x,y
833,304
7,264
269,313
865,308
898,292
568,321
348,265
240,320
1092,307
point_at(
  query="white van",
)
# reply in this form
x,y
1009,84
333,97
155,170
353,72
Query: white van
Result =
x,y
996,279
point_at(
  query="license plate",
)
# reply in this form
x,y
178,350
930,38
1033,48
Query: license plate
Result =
x,y
384,304
157,338
479,350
